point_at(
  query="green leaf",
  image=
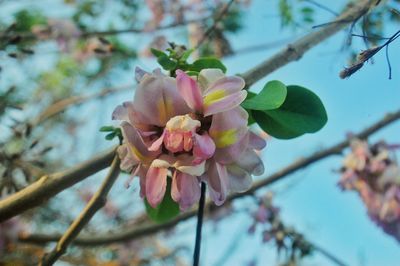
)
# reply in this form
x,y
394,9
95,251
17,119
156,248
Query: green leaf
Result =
x,y
207,62
157,53
251,119
192,73
271,97
106,128
166,210
302,112
186,54
110,136
166,62
25,19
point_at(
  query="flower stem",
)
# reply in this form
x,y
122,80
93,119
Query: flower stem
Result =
x,y
200,212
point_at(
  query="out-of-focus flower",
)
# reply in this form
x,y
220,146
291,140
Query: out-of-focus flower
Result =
x,y
373,172
273,230
191,130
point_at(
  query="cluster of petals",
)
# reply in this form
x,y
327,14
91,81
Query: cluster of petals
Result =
x,y
189,129
267,219
373,172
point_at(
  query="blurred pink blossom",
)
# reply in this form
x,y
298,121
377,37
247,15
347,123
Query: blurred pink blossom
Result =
x,y
373,172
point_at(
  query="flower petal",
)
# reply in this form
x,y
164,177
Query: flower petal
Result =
x,y
185,190
208,76
127,160
157,100
139,74
189,90
230,134
217,180
223,94
156,183
229,127
188,166
120,113
126,112
256,142
229,84
137,147
134,173
220,101
204,146
156,145
240,180
251,162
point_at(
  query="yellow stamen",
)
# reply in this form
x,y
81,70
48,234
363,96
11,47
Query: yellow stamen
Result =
x,y
213,97
165,109
223,138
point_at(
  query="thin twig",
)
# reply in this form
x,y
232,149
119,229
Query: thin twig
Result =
x,y
328,255
63,104
132,233
200,214
297,49
96,202
315,3
260,47
31,36
210,30
369,37
368,54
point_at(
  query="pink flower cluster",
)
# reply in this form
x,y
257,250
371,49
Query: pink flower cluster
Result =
x,y
373,172
266,216
190,129
273,230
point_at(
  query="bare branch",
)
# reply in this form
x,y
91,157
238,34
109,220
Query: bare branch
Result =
x,y
221,15
366,55
63,104
31,36
50,185
328,255
96,202
296,50
132,233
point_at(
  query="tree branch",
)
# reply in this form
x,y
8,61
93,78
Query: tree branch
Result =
x,y
50,185
96,203
34,194
132,233
296,50
31,36
328,255
219,17
63,104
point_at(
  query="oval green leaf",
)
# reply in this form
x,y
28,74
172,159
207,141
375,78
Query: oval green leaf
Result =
x,y
207,62
302,112
166,62
271,97
166,210
157,53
